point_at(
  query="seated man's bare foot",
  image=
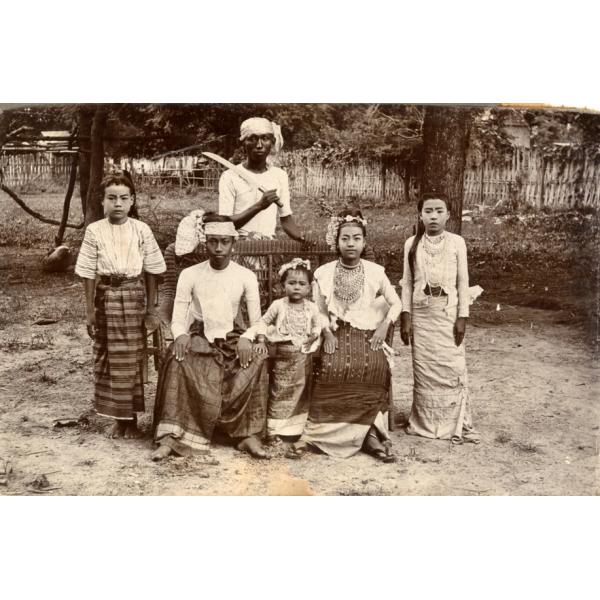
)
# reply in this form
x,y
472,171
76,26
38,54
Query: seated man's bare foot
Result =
x,y
132,432
161,452
252,446
117,430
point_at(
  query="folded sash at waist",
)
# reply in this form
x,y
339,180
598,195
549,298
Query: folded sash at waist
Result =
x,y
117,280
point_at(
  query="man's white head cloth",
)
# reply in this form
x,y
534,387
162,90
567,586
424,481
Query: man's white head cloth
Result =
x,y
262,126
216,228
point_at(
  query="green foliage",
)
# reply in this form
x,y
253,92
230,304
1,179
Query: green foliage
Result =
x,y
337,132
489,139
51,117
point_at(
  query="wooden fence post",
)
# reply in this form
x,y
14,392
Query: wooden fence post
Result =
x,y
305,180
541,176
383,182
481,173
407,176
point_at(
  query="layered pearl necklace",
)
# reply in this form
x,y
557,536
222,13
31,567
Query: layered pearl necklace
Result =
x,y
348,282
295,320
435,259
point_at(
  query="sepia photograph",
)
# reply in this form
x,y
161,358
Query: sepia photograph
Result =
x,y
339,299
299,300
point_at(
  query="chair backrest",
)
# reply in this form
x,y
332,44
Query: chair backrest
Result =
x,y
263,257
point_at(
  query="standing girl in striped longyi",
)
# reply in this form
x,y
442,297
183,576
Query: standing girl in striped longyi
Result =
x,y
119,254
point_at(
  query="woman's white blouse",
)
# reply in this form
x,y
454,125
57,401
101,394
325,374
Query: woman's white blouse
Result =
x,y
378,300
455,279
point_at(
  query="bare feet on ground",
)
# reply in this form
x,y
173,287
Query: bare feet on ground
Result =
x,y
117,430
252,446
132,432
160,453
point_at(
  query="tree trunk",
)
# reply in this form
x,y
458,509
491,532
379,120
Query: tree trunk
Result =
x,y
445,145
3,127
58,240
93,208
85,116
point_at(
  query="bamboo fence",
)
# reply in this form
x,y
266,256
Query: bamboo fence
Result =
x,y
39,168
525,177
365,180
536,180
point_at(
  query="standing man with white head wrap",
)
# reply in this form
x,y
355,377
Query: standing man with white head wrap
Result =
x,y
253,212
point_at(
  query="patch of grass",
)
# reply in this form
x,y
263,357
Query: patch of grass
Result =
x,y
12,343
526,447
503,437
379,491
10,306
71,331
45,378
19,229
41,341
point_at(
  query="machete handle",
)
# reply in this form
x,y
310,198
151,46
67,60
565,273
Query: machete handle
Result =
x,y
262,191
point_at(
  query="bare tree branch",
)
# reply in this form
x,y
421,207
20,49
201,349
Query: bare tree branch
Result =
x,y
58,240
32,212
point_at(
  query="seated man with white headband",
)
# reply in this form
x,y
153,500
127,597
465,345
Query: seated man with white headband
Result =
x,y
253,212
211,380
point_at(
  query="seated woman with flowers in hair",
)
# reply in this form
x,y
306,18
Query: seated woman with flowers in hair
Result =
x,y
352,378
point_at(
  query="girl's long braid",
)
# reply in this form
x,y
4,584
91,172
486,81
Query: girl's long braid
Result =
x,y
413,249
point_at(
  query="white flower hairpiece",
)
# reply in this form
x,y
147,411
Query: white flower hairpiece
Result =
x,y
294,264
190,233
334,225
199,225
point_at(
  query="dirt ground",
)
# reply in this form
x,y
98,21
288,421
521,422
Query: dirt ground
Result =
x,y
534,395
531,343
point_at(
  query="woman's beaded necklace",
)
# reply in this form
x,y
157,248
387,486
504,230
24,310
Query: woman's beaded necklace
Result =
x,y
348,282
435,260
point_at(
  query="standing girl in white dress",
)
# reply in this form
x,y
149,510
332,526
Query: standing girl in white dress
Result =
x,y
435,308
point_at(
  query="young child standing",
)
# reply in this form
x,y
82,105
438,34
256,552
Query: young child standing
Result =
x,y
435,307
119,254
293,325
